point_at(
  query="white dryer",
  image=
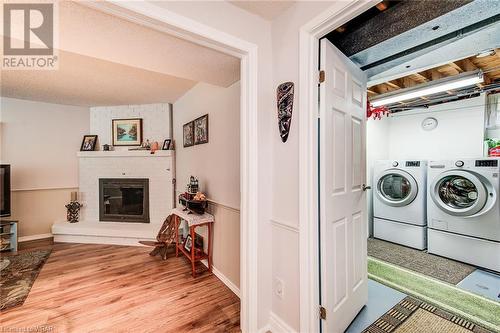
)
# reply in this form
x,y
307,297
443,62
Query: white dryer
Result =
x,y
464,210
399,202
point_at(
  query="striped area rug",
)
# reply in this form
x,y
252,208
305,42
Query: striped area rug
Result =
x,y
412,316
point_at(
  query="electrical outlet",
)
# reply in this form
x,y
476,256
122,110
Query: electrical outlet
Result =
x,y
279,288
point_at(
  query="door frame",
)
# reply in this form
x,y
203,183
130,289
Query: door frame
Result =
x,y
162,19
310,34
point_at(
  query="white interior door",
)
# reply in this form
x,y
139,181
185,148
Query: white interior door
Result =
x,y
344,289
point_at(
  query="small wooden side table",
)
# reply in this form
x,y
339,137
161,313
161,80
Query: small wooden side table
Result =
x,y
8,229
194,221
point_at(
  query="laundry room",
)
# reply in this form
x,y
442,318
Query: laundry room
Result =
x,y
433,165
432,159
418,129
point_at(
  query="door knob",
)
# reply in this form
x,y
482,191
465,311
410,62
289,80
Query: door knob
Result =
x,y
364,187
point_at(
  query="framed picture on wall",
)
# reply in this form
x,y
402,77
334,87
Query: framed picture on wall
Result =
x,y
88,143
188,134
127,132
201,130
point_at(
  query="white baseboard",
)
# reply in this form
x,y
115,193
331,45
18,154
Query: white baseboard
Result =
x,y
33,237
265,329
99,240
224,279
277,325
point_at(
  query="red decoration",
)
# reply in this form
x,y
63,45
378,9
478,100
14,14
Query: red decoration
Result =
x,y
376,112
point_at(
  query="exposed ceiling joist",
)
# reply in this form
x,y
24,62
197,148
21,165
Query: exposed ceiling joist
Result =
x,y
490,66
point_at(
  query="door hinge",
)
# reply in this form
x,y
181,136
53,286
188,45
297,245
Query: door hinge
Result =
x,y
322,312
321,76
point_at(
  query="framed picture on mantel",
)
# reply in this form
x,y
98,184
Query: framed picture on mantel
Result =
x,y
127,132
88,143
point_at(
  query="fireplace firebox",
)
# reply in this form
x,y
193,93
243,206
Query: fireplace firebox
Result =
x,y
124,200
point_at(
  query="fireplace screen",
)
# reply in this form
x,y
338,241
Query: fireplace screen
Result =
x,y
124,200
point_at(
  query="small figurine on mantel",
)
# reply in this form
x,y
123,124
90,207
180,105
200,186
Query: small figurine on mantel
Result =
x,y
73,208
107,147
146,145
154,147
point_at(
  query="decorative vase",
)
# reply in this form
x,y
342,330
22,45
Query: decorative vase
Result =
x,y
284,96
73,211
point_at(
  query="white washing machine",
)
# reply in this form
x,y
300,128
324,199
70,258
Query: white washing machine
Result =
x,y
463,210
399,202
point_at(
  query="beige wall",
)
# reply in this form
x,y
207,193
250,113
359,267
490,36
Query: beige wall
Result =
x,y
40,141
285,176
226,251
216,165
37,210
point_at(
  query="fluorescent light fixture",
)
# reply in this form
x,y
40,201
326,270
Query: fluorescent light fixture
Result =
x,y
486,53
433,87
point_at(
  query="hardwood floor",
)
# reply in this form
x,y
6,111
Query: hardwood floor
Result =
x,y
107,288
35,244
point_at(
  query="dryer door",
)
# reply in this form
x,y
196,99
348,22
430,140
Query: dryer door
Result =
x,y
459,193
396,188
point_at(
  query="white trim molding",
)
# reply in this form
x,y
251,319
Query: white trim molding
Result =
x,y
284,225
221,205
44,189
33,237
310,33
278,325
224,279
162,19
265,329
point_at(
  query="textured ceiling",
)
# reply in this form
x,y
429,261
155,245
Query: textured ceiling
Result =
x,y
107,60
265,9
86,81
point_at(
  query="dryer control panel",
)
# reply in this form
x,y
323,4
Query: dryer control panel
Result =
x,y
486,163
412,163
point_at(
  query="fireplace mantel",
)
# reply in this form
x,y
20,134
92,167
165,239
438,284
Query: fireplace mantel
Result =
x,y
124,153
159,168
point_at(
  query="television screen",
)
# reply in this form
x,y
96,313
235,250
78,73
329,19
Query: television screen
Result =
x,y
4,190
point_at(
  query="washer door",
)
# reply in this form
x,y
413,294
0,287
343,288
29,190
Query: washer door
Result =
x,y
459,193
396,188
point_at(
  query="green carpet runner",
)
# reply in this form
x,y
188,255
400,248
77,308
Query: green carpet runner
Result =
x,y
475,308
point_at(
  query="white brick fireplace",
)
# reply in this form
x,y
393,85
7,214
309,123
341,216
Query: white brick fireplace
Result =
x,y
158,168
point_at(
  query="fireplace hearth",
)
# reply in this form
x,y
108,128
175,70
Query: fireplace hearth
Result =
x,y
124,200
